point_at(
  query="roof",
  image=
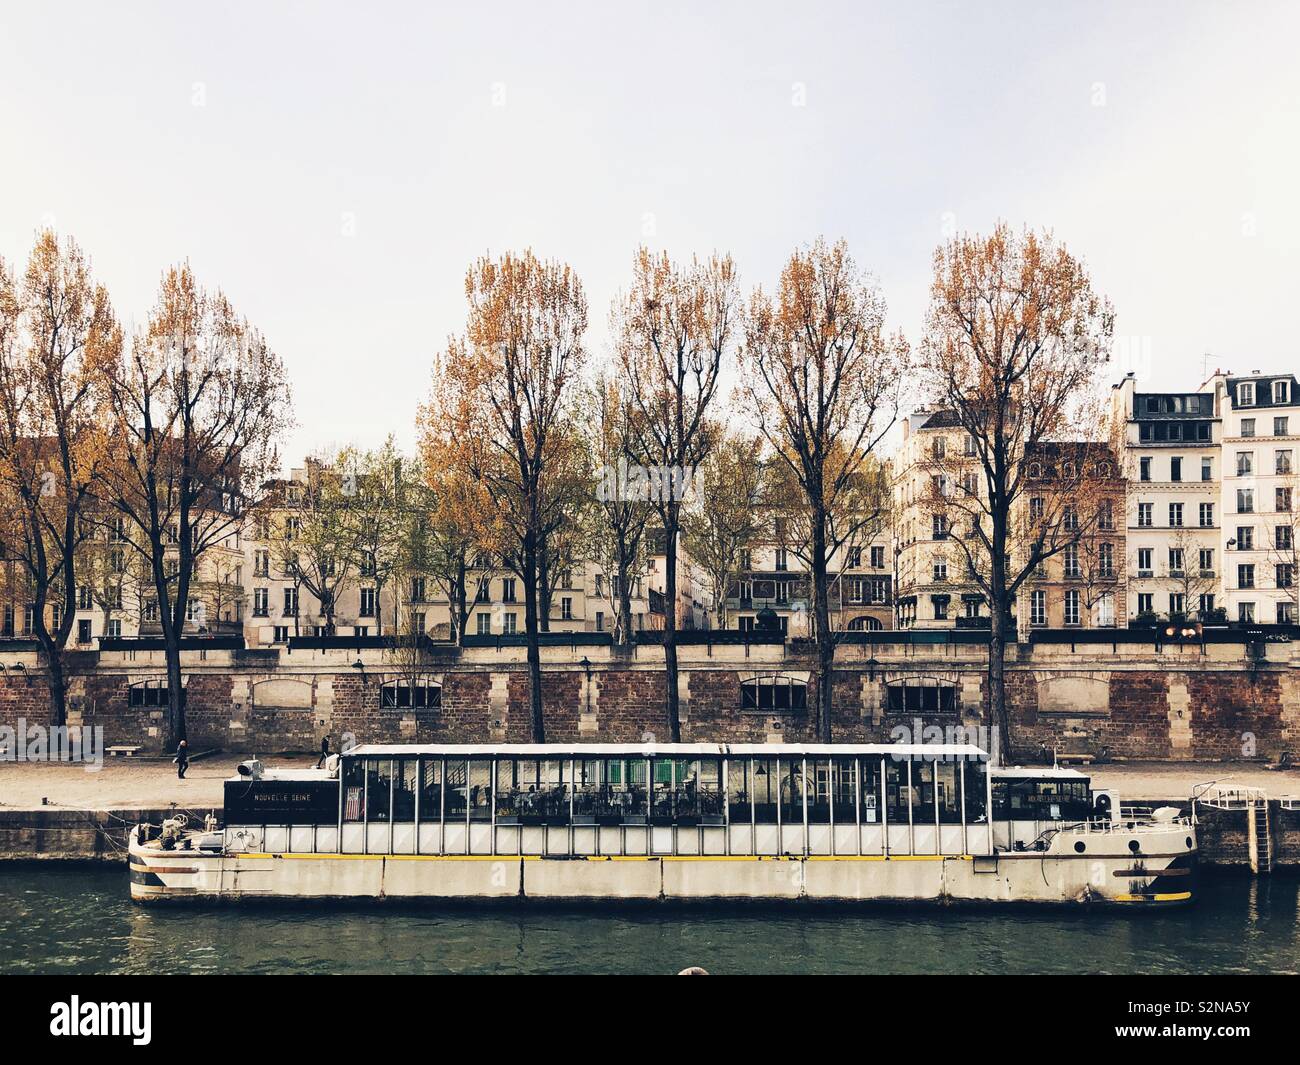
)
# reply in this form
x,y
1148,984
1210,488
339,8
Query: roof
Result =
x,y
1045,772
941,419
669,750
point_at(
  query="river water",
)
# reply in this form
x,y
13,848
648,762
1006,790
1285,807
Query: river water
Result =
x,y
78,919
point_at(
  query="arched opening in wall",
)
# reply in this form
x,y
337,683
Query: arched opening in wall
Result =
x,y
154,692
922,695
774,693
411,693
865,623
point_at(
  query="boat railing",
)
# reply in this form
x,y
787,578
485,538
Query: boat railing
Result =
x,y
1228,796
1124,824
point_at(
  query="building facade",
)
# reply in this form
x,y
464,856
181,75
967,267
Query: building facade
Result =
x,y
1170,450
1261,415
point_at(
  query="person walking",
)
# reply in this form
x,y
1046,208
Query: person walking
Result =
x,y
182,759
324,751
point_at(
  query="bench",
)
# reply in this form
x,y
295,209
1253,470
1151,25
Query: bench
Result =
x,y
124,749
1076,759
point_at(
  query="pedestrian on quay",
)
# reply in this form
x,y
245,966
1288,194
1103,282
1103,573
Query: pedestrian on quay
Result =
x,y
182,759
324,751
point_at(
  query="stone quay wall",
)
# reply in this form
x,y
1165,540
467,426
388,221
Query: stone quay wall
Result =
x,y
1128,699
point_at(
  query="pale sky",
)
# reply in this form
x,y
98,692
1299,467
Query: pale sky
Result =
x,y
335,167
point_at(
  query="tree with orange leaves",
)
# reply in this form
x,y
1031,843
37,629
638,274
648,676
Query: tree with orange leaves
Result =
x,y
57,331
675,332
463,523
198,406
515,378
1015,337
823,381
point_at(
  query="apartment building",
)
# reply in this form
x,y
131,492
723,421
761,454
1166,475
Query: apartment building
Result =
x,y
935,465
774,577
372,598
1169,446
1078,487
1260,494
1073,491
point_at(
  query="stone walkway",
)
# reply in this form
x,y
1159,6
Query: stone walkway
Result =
x,y
122,783
136,783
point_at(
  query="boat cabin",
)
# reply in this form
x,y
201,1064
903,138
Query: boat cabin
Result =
x,y
626,799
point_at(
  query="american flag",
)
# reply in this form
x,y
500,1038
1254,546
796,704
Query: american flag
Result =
x,y
352,808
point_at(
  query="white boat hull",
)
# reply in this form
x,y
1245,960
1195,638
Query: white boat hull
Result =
x,y
1163,874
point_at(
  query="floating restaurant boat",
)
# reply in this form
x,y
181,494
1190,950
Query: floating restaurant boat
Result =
x,y
833,823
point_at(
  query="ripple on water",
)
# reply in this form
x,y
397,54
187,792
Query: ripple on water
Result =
x,y
74,919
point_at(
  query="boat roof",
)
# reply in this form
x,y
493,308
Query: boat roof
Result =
x,y
672,750
1043,772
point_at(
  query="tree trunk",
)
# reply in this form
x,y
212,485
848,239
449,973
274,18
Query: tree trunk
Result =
x,y
1002,750
58,688
625,606
543,591
822,623
534,644
175,693
670,635
459,605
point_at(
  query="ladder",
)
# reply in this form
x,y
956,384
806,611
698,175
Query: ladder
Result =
x,y
1259,840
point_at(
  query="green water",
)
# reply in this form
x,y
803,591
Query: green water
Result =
x,y
78,919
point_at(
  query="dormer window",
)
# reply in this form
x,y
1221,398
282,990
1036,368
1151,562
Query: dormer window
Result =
x,y
1245,395
1279,392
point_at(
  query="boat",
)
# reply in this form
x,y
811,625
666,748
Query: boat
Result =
x,y
681,822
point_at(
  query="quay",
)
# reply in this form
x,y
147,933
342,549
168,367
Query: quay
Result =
x,y
61,812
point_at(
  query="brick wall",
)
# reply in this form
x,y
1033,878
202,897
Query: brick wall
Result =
x,y
1134,710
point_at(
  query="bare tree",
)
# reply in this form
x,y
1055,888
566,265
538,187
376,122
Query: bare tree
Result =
x,y
726,521
1015,337
823,381
675,330
516,373
57,332
198,406
618,542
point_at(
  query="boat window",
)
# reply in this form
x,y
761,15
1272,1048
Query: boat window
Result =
x,y
697,791
739,771
430,789
354,783
792,791
976,774
819,791
1041,800
844,792
456,789
870,790
897,796
922,792
766,785
379,777
948,792
480,790
404,790
628,796
588,789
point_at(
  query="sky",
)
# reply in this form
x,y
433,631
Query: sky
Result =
x,y
334,168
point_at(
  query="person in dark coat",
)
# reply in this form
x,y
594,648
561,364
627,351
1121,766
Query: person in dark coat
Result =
x,y
182,759
324,751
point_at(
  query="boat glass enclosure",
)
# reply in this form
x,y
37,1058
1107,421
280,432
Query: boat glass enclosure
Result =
x,y
701,799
